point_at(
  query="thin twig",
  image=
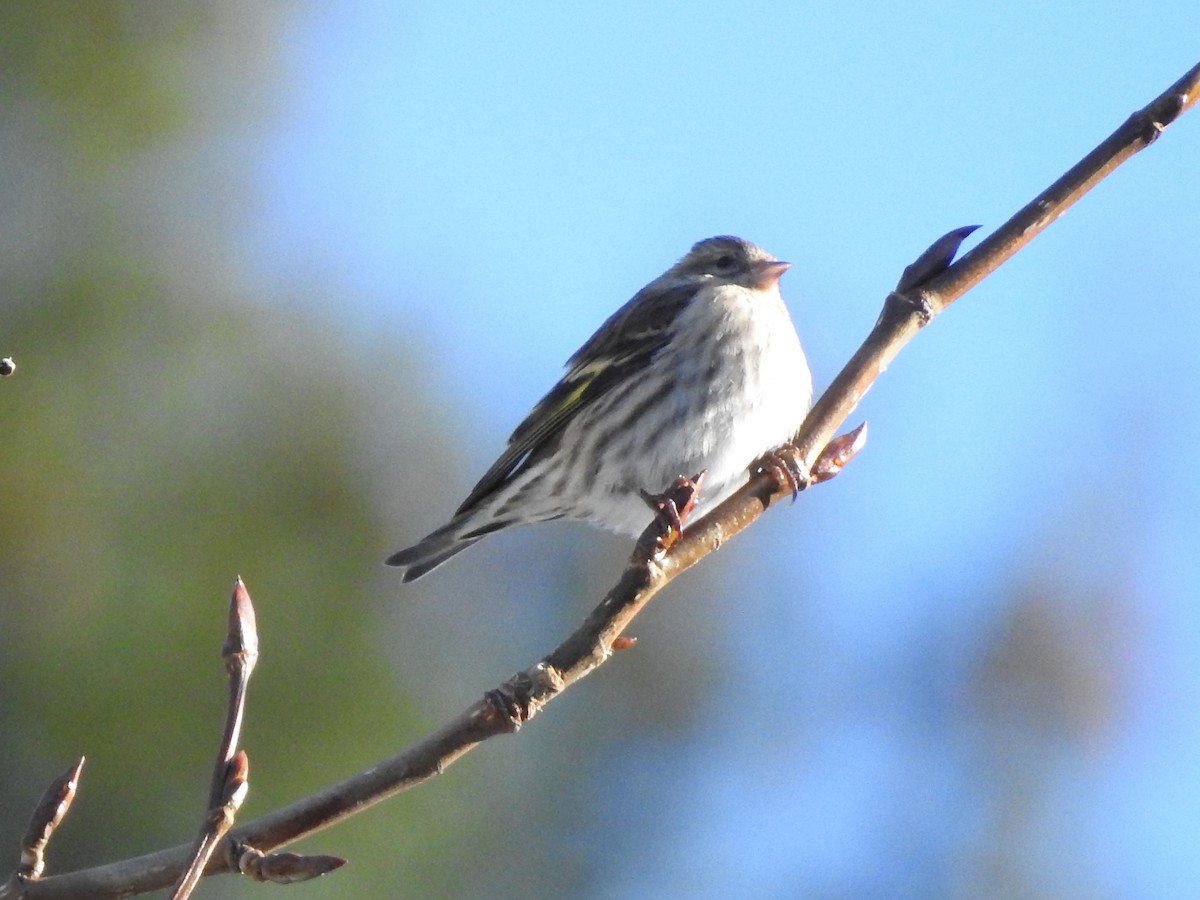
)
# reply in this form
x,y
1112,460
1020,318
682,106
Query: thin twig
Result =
x,y
229,783
240,653
46,818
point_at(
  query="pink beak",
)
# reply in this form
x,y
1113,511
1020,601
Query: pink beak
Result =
x,y
766,274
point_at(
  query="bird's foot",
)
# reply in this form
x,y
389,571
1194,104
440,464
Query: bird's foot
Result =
x,y
783,464
672,507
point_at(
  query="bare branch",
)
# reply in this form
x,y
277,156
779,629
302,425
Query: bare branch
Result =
x,y
47,816
229,784
926,288
240,652
217,823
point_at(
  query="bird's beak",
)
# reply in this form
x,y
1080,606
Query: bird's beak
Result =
x,y
766,274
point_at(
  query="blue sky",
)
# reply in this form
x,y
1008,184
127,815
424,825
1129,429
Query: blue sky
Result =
x,y
489,184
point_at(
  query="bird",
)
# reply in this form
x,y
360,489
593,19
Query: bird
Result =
x,y
701,372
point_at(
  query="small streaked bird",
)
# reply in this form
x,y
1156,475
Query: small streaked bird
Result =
x,y
701,371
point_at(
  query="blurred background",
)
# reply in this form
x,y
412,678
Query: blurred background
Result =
x,y
280,279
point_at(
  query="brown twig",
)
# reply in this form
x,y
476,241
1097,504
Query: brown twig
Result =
x,y
240,653
229,783
923,292
46,818
217,822
896,327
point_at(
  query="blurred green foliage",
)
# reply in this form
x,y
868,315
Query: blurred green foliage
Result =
x,y
167,431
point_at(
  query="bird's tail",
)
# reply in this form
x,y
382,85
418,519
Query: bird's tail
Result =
x,y
430,552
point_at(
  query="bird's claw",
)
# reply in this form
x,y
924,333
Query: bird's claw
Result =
x,y
672,507
783,464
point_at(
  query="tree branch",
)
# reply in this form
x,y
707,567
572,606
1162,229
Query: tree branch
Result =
x,y
229,783
908,309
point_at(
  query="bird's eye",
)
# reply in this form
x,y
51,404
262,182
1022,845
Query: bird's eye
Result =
x,y
724,262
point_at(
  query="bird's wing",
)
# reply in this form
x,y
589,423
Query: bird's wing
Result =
x,y
621,347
